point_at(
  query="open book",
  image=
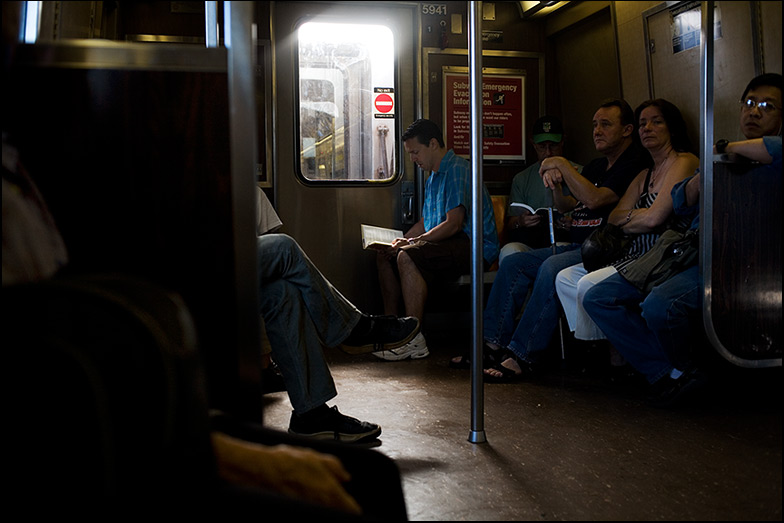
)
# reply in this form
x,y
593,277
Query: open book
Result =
x,y
516,209
536,236
378,237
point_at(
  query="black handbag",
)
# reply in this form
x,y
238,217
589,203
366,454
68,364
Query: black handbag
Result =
x,y
605,245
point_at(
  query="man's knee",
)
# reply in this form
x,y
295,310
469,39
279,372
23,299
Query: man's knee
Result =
x,y
411,277
550,268
404,262
512,248
276,242
596,297
383,263
663,306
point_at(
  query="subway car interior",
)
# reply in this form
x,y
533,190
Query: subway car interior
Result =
x,y
153,133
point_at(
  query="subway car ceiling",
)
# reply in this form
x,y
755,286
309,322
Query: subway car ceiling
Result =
x,y
618,45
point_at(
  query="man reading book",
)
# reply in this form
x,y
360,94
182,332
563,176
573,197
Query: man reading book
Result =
x,y
439,244
525,229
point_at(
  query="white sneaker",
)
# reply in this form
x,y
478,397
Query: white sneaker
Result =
x,y
414,349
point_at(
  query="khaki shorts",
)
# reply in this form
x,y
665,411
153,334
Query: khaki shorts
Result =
x,y
444,260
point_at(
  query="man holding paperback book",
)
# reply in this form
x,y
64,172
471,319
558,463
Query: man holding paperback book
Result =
x,y
378,237
438,246
535,235
526,223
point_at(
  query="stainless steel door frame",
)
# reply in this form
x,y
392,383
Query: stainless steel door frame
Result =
x,y
325,219
738,353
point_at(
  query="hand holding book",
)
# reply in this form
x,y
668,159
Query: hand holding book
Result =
x,y
526,220
518,209
378,238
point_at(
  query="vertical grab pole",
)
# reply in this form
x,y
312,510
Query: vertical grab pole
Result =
x,y
477,434
553,247
706,160
240,46
211,24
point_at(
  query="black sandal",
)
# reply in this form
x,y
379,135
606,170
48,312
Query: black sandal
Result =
x,y
507,375
488,355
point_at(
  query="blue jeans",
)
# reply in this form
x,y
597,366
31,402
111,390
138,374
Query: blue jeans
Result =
x,y
302,313
652,332
515,277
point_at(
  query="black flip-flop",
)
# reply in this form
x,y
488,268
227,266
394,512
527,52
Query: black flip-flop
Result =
x,y
507,375
489,355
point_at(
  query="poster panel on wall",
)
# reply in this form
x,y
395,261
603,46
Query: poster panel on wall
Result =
x,y
503,113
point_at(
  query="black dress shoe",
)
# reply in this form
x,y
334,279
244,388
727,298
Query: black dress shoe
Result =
x,y
668,391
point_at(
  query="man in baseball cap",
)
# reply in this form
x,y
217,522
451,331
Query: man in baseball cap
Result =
x,y
548,129
522,230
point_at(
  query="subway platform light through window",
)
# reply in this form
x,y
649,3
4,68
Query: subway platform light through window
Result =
x,y
347,105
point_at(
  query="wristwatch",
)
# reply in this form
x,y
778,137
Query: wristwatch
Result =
x,y
721,146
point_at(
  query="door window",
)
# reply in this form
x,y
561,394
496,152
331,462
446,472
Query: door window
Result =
x,y
346,99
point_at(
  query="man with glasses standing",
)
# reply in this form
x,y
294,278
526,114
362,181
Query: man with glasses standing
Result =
x,y
653,332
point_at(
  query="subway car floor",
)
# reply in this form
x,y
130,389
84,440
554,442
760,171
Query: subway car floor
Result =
x,y
572,444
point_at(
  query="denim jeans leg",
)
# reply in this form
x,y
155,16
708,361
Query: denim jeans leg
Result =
x,y
280,257
296,346
508,293
614,305
668,311
540,318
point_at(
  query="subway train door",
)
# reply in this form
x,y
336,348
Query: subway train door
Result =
x,y
345,89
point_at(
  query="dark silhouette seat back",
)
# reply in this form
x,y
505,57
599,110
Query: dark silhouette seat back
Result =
x,y
742,305
112,394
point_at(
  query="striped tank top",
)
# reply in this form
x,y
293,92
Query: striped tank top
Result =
x,y
643,241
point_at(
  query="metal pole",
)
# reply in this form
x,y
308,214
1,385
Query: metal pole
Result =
x,y
477,434
211,24
554,250
706,158
239,42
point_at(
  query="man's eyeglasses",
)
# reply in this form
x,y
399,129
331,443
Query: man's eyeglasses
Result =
x,y
749,104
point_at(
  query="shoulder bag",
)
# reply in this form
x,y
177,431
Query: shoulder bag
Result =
x,y
674,252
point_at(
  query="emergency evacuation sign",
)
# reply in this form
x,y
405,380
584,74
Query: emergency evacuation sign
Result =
x,y
383,102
